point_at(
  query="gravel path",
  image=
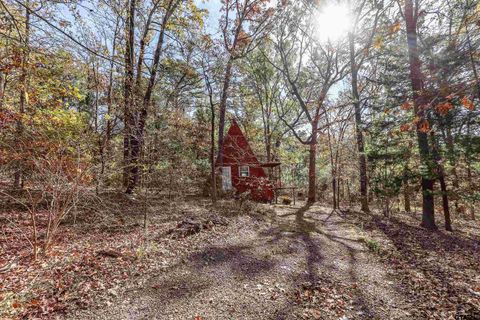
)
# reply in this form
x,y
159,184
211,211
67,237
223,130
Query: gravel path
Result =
x,y
304,263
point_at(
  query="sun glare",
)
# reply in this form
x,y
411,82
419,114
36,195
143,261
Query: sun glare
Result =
x,y
333,21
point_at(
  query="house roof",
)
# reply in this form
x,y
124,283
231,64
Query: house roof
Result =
x,y
236,149
270,164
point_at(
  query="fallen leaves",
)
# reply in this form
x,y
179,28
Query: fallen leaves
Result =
x,y
87,267
437,270
326,298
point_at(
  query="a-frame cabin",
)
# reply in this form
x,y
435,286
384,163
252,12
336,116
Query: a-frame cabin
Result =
x,y
241,169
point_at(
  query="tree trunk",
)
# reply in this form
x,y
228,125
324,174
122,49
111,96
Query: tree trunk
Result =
x,y
212,137
334,190
443,185
137,138
406,194
453,163
128,94
332,169
3,85
312,164
23,93
428,208
223,108
405,182
406,188
108,125
212,154
471,52
339,191
362,161
471,186
312,172
446,209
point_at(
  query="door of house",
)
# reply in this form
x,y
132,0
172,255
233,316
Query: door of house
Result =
x,y
227,178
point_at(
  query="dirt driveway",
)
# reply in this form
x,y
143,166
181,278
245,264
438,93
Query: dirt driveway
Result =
x,y
305,262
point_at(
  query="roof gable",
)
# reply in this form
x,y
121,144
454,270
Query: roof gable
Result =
x,y
236,149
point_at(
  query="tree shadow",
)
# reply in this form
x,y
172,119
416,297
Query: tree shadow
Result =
x,y
235,258
304,230
414,245
233,261
404,236
174,288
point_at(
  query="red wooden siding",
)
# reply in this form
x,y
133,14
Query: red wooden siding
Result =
x,y
236,153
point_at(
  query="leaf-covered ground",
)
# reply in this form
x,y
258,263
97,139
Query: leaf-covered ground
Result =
x,y
253,262
439,270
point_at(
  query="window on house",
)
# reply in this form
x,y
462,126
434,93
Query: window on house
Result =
x,y
244,171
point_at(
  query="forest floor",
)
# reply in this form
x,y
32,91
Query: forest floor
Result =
x,y
244,261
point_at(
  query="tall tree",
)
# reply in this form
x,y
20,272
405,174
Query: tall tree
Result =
x,y
243,24
411,14
310,68
24,79
360,40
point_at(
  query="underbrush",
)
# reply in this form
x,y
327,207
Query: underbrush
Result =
x,y
96,253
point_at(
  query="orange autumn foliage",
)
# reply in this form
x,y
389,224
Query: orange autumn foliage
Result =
x,y
424,126
406,105
405,127
444,108
467,103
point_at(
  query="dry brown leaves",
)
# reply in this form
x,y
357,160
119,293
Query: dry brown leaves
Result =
x,y
86,267
439,271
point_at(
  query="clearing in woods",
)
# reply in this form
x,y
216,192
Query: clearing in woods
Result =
x,y
303,262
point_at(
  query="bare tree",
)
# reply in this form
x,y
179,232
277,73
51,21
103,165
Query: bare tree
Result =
x,y
243,24
310,68
138,101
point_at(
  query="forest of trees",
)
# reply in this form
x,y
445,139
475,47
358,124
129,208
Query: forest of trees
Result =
x,y
108,95
368,104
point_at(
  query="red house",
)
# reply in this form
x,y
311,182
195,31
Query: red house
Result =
x,y
241,169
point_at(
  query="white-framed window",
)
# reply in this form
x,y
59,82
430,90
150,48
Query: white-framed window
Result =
x,y
244,171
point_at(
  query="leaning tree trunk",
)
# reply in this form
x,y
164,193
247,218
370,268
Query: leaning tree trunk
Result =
x,y
428,209
108,126
333,170
471,52
446,208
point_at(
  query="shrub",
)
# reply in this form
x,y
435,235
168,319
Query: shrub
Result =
x,y
372,245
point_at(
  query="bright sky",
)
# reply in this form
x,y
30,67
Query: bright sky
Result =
x,y
213,7
333,21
